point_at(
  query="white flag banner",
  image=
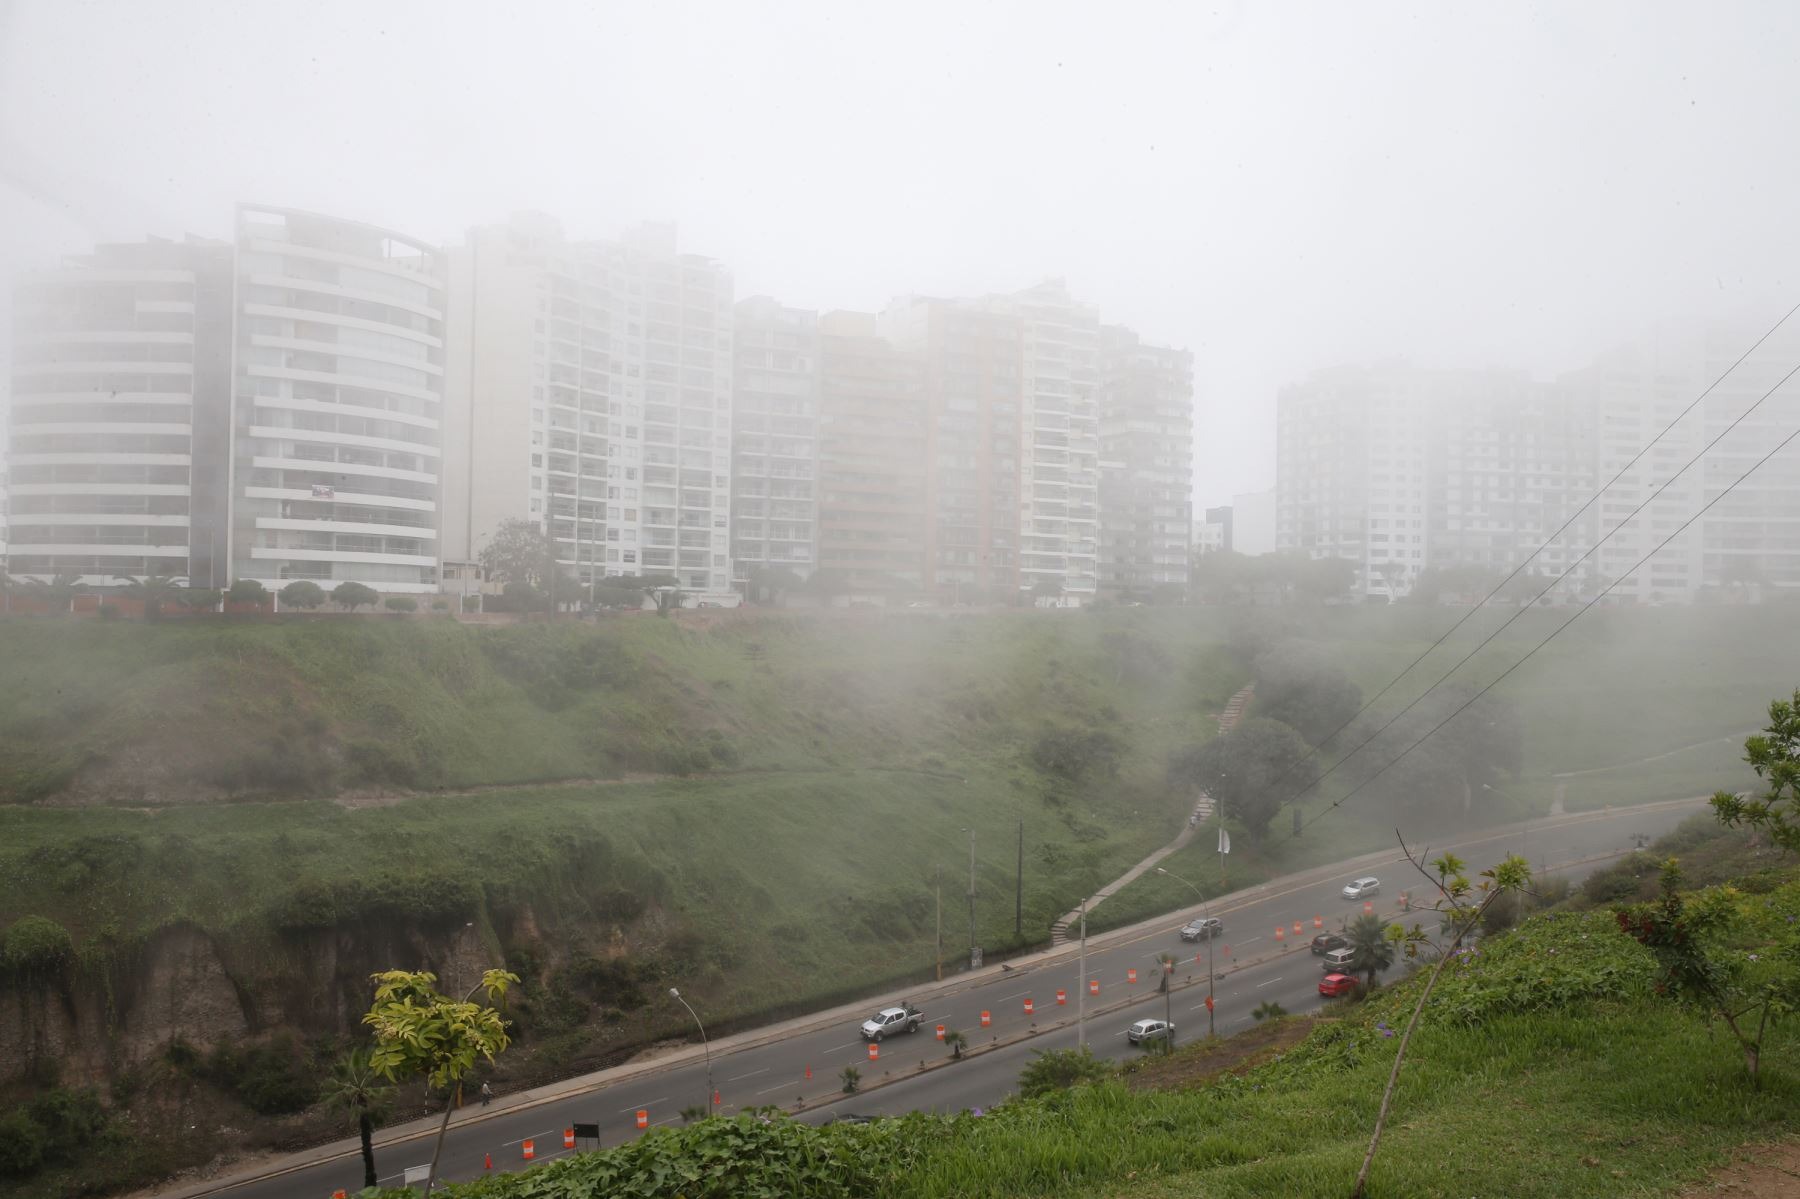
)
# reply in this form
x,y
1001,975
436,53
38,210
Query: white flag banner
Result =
x,y
1224,840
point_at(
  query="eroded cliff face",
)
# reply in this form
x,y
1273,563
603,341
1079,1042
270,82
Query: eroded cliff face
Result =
x,y
95,1020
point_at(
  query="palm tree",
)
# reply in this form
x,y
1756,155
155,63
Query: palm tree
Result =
x,y
356,1087
1372,951
60,591
154,590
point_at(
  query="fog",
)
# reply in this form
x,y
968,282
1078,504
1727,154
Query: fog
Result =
x,y
1276,189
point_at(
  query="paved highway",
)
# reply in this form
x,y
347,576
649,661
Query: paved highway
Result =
x,y
911,1072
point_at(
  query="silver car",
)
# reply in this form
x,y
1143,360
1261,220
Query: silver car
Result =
x,y
1145,1031
1362,888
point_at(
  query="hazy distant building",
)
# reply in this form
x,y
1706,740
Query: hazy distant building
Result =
x,y
872,459
1212,533
1146,420
1351,471
1252,523
970,363
591,394
121,392
339,386
774,430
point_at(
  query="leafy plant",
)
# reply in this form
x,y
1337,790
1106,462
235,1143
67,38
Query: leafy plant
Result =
x,y
1059,1069
359,1089
1696,941
1775,756
354,596
421,1032
851,1078
955,1041
1267,1010
303,594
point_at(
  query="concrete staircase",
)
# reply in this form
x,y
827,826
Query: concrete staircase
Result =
x,y
1068,926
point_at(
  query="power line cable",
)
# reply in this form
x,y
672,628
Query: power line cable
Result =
x,y
1567,571
1526,561
1682,528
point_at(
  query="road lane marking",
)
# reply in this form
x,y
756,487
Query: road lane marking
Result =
x,y
626,1111
780,1086
752,1074
1272,980
1014,995
845,1045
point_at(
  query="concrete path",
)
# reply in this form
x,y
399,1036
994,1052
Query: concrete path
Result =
x,y
1203,812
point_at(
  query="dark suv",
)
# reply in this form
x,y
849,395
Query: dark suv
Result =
x,y
1326,942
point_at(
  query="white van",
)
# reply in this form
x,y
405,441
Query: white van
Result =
x,y
1337,961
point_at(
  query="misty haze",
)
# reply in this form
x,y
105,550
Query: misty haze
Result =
x,y
970,600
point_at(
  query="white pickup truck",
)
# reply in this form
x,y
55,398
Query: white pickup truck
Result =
x,y
904,1018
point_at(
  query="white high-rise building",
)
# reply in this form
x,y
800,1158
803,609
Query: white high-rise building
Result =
x,y
337,447
119,416
1059,503
1253,522
774,426
591,394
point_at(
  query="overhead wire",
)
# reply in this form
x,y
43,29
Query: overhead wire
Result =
x,y
1683,527
1526,561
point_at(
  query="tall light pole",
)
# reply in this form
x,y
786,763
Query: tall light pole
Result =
x,y
1081,991
971,833
1205,906
704,1047
1524,837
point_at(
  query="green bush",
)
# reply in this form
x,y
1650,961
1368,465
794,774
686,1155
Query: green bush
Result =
x,y
272,1079
69,1119
402,603
22,1143
37,947
1059,1069
303,594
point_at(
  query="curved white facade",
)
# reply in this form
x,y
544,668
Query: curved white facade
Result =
x,y
339,397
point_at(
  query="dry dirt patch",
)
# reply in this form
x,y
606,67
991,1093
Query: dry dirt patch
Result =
x,y
1754,1172
1198,1063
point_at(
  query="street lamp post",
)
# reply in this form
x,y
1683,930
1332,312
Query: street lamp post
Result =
x,y
1524,837
1205,907
971,833
704,1047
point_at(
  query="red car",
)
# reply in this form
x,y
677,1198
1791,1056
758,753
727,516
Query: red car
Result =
x,y
1333,985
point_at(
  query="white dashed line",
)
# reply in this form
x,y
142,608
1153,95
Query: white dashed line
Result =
x,y
626,1111
752,1074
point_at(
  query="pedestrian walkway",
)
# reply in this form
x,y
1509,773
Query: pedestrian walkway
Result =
x,y
1203,814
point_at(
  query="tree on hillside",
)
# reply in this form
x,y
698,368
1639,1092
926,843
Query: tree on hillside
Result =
x,y
767,584
359,1089
1252,770
354,596
1478,745
198,599
1222,577
1371,948
153,591
420,1032
1299,686
247,591
518,552
1774,754
302,594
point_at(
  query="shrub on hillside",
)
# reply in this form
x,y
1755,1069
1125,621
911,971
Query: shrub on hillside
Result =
x,y
1059,1069
303,594
354,596
21,1145
36,947
271,1079
1077,753
402,603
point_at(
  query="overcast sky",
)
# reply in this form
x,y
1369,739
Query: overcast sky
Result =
x,y
1277,187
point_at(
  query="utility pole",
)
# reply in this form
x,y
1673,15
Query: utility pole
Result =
x,y
1081,990
939,875
1019,887
971,897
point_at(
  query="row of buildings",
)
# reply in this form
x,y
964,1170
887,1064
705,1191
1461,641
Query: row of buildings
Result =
x,y
1402,469
320,399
